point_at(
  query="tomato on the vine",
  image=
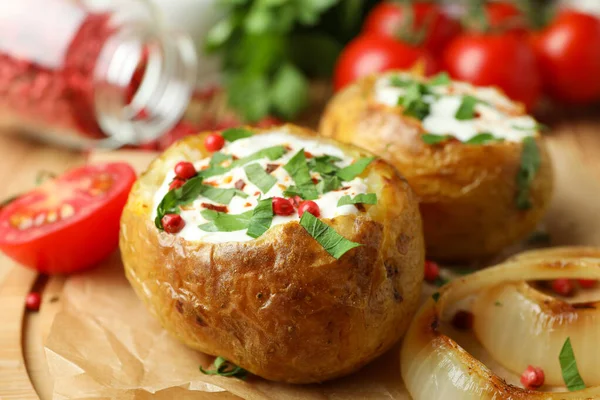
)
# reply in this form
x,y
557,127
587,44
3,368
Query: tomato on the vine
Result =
x,y
369,54
69,223
387,19
496,59
568,52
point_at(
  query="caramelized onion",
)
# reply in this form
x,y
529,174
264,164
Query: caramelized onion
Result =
x,y
435,367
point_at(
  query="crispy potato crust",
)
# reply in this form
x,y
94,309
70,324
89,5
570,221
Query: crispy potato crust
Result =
x,y
466,192
280,306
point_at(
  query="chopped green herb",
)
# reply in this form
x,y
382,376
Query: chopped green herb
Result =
x,y
189,192
329,183
218,157
498,304
324,164
413,103
298,170
530,164
439,281
333,243
292,191
223,222
272,153
353,170
398,81
430,138
262,217
259,177
435,296
569,369
440,79
225,368
482,138
362,198
467,108
233,134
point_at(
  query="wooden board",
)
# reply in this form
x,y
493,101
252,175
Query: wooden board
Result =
x,y
23,373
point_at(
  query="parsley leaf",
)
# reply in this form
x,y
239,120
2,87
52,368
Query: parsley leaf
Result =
x,y
233,134
289,92
413,102
362,198
329,183
218,157
353,170
569,369
530,164
272,153
440,79
398,81
324,164
223,222
482,138
333,243
292,191
225,368
298,170
262,217
259,177
467,108
430,138
220,195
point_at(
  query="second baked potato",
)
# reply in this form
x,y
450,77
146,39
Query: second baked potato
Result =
x,y
476,161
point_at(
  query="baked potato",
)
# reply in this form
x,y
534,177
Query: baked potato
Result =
x,y
285,303
476,161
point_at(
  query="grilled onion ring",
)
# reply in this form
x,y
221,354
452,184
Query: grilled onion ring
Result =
x,y
435,367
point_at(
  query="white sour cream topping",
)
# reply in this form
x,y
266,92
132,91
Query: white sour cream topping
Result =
x,y
242,148
498,117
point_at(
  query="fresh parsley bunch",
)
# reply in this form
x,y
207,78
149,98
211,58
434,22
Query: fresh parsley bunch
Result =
x,y
271,47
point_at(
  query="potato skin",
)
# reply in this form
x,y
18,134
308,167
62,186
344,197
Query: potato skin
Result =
x,y
280,306
466,192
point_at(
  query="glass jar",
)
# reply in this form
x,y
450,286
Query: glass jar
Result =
x,y
90,73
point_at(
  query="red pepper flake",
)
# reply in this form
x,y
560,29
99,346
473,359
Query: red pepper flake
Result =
x,y
308,154
211,183
342,188
240,184
271,167
248,205
533,377
315,180
463,320
296,200
204,167
257,193
476,114
234,157
360,207
215,207
287,147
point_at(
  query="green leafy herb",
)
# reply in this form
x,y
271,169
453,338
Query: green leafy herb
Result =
x,y
298,170
353,170
362,198
225,368
435,296
189,192
272,153
329,183
218,157
292,191
259,177
413,102
430,138
289,92
482,138
262,217
233,134
530,165
334,243
568,366
223,222
439,281
399,81
324,164
440,79
467,108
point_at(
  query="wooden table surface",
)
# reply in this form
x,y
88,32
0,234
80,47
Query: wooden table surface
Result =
x,y
21,160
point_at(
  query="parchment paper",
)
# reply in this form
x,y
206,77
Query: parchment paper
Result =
x,y
105,345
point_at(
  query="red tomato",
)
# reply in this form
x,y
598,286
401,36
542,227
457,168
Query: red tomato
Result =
x,y
69,223
503,60
505,16
568,52
369,54
386,19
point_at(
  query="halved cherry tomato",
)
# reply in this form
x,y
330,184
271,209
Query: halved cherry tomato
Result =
x,y
368,54
568,52
387,19
70,223
504,60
